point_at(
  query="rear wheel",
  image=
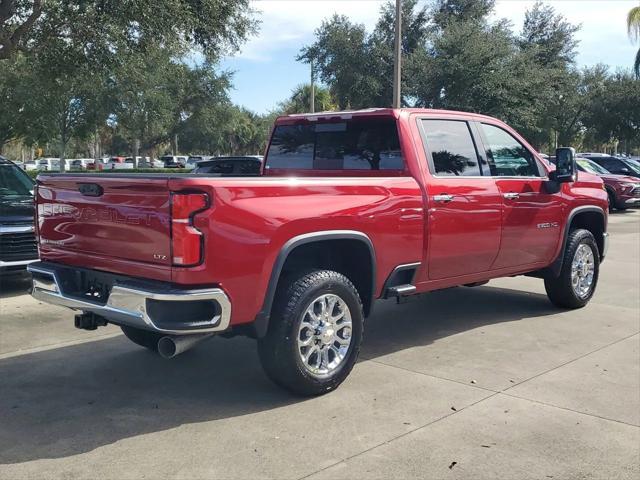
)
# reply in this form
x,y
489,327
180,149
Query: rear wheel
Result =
x,y
144,338
577,281
314,334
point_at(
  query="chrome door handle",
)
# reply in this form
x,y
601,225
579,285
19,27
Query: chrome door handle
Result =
x,y
511,195
444,198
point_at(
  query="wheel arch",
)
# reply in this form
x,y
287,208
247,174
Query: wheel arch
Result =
x,y
317,249
590,218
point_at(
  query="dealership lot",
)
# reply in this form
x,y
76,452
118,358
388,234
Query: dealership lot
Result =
x,y
479,382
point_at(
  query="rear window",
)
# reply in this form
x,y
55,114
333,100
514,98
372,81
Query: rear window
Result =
x,y
358,144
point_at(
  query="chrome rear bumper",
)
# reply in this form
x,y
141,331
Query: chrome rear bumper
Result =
x,y
130,306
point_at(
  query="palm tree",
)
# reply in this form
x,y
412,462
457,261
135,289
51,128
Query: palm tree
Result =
x,y
633,27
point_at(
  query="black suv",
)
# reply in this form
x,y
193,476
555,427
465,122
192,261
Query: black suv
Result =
x,y
615,165
17,239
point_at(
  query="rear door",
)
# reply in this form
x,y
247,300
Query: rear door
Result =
x,y
464,205
104,219
531,217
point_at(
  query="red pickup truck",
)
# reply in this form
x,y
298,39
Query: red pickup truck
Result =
x,y
349,207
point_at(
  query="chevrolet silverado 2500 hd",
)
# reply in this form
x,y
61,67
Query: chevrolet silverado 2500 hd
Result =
x,y
349,207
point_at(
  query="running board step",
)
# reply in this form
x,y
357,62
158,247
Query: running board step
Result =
x,y
401,291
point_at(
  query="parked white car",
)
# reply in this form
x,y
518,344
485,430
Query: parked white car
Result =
x,y
29,165
48,164
79,163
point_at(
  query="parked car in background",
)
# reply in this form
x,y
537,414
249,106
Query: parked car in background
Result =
x,y
48,164
17,238
623,191
239,165
96,164
615,165
174,161
79,163
193,160
118,163
29,165
143,162
157,163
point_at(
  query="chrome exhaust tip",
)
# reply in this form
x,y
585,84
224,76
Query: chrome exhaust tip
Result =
x,y
173,345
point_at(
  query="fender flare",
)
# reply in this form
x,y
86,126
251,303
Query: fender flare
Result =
x,y
261,322
556,267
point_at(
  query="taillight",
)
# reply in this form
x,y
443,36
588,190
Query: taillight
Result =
x,y
186,240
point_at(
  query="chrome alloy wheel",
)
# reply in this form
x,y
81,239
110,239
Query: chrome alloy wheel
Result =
x,y
324,335
582,271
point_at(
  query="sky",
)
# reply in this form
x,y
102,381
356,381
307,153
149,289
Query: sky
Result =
x,y
266,70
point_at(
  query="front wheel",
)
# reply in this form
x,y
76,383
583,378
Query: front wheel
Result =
x,y
577,281
314,334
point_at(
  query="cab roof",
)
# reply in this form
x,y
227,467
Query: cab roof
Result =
x,y
371,112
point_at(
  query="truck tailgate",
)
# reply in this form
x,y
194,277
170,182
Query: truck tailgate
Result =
x,y
107,217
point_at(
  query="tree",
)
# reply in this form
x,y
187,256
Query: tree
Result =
x,y
213,26
17,18
633,28
612,113
548,41
549,37
11,95
339,55
65,86
81,52
300,100
357,66
447,11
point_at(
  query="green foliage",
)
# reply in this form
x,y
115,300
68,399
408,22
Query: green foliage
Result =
x,y
115,69
106,26
633,28
456,56
355,65
225,130
300,100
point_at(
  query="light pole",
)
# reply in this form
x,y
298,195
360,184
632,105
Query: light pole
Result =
x,y
397,64
313,90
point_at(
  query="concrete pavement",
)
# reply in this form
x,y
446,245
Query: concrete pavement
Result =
x,y
473,383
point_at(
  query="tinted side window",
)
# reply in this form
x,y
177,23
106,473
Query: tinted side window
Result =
x,y
612,164
507,156
358,144
292,147
247,167
221,166
451,147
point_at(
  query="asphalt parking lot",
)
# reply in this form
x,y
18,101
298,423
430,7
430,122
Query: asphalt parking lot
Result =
x,y
472,383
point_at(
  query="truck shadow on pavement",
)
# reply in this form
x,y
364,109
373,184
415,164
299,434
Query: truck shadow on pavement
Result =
x,y
71,400
14,285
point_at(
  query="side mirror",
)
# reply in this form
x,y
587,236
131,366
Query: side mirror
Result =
x,y
624,170
566,168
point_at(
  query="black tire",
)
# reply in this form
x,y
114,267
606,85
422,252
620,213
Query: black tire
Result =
x,y
612,200
278,350
141,337
559,289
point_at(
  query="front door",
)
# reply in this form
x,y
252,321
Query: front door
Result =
x,y
531,217
464,206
